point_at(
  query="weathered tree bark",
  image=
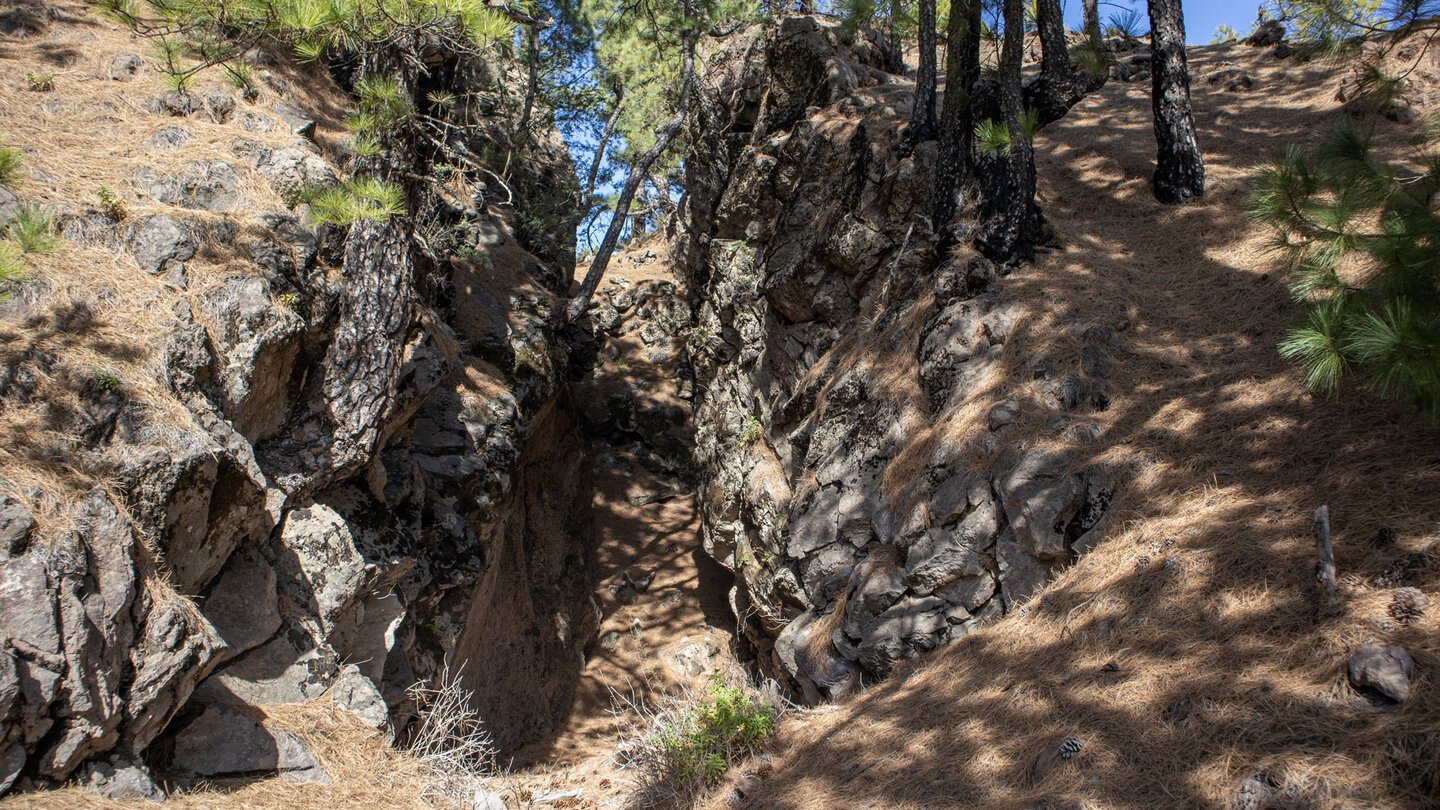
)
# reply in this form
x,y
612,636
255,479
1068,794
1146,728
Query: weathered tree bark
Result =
x,y
362,365
1325,564
638,172
1179,168
533,86
957,122
922,119
1090,13
1014,238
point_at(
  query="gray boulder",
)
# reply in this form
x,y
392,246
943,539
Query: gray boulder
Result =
x,y
257,342
298,121
161,243
120,779
16,524
223,742
242,605
1381,672
124,67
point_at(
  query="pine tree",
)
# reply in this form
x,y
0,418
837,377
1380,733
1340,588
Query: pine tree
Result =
x,y
1363,245
922,119
1179,167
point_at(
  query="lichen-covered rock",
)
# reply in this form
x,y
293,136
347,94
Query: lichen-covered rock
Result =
x,y
257,340
823,363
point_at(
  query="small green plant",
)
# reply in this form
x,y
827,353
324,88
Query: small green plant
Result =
x,y
12,266
40,82
9,161
113,204
688,743
1091,57
722,727
32,229
749,433
1224,34
288,300
242,77
1128,24
992,137
106,380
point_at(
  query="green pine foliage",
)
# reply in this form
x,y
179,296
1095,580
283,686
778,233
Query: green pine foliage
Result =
x,y
1224,34
9,162
1328,21
208,30
1362,243
356,199
12,265
32,229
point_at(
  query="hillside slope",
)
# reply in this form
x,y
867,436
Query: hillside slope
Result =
x,y
1183,653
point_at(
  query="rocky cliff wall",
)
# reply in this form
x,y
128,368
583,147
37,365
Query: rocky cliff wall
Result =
x,y
855,394
176,543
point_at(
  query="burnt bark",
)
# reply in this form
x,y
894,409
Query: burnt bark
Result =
x,y
957,121
922,117
895,59
1179,168
1008,224
1090,14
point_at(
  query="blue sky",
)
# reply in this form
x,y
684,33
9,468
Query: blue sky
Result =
x,y
1202,17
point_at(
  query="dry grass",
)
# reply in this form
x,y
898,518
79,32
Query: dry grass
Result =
x,y
1184,652
365,773
88,312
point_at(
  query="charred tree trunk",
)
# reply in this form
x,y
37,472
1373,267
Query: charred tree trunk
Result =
x,y
638,172
1090,13
896,43
957,121
1179,168
1012,234
922,119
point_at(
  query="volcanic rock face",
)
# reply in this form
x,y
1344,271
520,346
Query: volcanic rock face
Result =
x,y
832,342
377,475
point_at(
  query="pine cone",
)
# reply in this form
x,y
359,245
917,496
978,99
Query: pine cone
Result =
x,y
1142,561
1407,606
1070,748
1385,537
1392,577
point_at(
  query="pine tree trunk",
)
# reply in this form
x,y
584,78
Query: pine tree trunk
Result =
x,y
533,85
957,122
638,172
1179,168
896,43
1054,55
1090,13
922,119
362,365
600,147
1015,237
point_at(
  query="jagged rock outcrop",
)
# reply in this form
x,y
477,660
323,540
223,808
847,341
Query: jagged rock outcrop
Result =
x,y
372,472
832,343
